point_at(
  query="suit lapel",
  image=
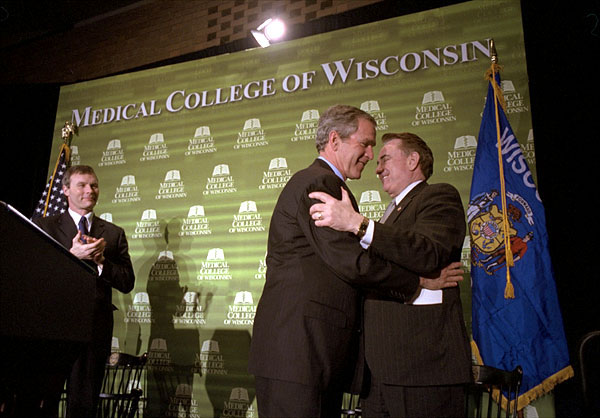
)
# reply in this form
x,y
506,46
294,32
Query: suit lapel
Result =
x,y
405,202
352,199
97,229
67,228
323,164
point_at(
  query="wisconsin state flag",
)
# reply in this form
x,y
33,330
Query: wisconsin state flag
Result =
x,y
516,314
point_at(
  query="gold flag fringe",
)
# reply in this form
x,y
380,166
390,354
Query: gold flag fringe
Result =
x,y
535,392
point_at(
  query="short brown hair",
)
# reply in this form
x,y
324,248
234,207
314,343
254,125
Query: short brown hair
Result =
x,y
77,169
412,143
340,118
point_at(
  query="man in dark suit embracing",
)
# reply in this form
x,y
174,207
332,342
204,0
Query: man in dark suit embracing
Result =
x,y
306,330
417,352
102,245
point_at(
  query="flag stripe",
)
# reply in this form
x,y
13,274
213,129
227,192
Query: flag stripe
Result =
x,y
53,201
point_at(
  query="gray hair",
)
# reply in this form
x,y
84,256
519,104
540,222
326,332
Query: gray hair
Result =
x,y
340,118
413,143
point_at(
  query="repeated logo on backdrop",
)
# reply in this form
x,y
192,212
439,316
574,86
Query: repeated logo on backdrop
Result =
x,y
113,155
220,182
215,267
251,136
372,108
189,311
277,175
172,187
242,311
307,128
128,191
434,109
148,226
196,223
248,219
202,142
156,149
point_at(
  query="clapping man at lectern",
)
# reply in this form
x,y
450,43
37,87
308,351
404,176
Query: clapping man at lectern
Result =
x,y
104,246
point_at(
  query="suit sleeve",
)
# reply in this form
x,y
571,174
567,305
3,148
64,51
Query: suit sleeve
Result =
x,y
117,270
429,243
342,252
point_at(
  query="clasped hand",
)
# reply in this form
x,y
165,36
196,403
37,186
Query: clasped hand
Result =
x,y
449,276
336,214
92,250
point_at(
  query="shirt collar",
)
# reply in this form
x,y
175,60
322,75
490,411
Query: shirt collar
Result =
x,y
406,190
334,168
76,217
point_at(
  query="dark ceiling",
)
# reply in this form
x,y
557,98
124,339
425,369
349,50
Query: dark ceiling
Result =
x,y
22,21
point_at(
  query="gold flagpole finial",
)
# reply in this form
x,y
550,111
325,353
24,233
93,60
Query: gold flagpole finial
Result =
x,y
493,53
67,132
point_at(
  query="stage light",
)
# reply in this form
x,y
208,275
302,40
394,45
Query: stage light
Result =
x,y
269,30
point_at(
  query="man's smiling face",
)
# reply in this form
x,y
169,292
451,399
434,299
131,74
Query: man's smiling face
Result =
x,y
395,168
82,192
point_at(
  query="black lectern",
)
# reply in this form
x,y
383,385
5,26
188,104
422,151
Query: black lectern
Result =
x,y
46,307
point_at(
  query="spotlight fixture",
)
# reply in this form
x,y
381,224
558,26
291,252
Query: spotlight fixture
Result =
x,y
269,30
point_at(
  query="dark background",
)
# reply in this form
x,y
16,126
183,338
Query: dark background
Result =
x,y
562,41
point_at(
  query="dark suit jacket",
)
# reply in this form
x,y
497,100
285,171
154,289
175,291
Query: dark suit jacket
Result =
x,y
117,271
420,345
307,320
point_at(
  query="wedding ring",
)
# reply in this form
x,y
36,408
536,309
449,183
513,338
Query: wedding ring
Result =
x,y
319,215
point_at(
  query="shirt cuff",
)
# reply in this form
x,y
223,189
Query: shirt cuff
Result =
x,y
366,241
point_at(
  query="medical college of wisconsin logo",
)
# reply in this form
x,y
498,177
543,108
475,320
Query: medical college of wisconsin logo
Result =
x,y
486,228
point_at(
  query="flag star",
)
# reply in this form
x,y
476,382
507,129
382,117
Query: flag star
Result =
x,y
62,211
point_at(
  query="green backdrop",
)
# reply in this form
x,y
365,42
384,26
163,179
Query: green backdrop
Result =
x,y
191,159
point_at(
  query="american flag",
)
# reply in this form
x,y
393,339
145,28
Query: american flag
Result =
x,y
53,202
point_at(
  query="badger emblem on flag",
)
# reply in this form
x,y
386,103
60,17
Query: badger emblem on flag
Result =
x,y
486,229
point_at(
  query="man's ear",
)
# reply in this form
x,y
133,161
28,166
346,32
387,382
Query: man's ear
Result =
x,y
65,190
413,160
334,140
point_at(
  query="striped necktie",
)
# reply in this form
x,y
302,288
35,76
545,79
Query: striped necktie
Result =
x,y
388,211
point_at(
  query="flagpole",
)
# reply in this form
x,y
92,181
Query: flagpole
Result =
x,y
509,290
67,135
506,327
